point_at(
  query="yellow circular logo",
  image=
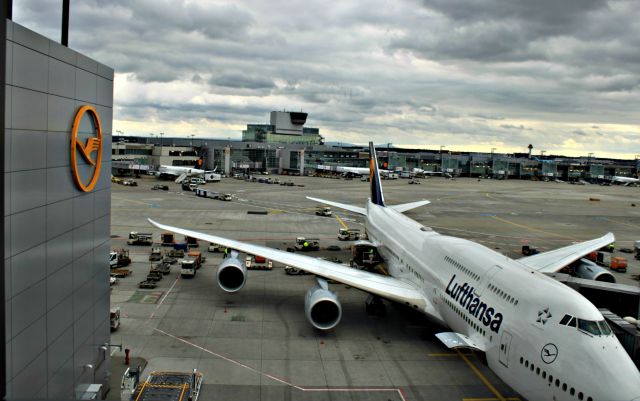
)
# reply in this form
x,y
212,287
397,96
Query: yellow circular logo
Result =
x,y
86,150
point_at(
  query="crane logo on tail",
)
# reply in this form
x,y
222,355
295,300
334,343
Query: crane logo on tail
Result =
x,y
91,150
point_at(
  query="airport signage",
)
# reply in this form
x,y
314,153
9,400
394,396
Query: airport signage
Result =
x,y
91,150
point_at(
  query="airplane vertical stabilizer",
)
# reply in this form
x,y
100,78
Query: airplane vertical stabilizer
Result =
x,y
374,177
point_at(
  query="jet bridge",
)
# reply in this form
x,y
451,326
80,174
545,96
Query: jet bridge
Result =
x,y
621,299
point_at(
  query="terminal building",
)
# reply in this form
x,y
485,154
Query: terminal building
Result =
x,y
286,128
56,224
266,153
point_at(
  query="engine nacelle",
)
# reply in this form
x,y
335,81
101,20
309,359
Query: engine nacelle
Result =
x,y
232,274
322,307
586,269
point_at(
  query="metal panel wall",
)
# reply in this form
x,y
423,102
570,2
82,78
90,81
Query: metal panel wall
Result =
x,y
56,236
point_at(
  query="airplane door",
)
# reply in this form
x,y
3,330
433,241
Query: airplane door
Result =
x,y
505,344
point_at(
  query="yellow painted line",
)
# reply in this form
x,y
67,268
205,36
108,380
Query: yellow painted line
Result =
x,y
275,211
445,354
531,228
488,195
482,377
344,225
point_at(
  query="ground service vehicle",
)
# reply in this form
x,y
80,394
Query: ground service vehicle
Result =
x,y
119,258
156,254
129,183
307,244
190,264
215,248
619,264
258,263
192,242
167,239
323,211
170,386
348,234
115,318
136,238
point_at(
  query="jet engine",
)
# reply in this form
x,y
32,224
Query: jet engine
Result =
x,y
584,268
322,307
232,274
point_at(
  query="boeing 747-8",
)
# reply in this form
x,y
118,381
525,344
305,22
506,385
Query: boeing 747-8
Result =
x,y
542,338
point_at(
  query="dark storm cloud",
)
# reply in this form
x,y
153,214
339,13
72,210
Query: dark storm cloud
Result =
x,y
440,71
238,80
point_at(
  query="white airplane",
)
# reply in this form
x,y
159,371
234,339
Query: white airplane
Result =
x,y
539,336
625,180
182,173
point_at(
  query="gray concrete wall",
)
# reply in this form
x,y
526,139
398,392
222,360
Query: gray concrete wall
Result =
x,y
56,237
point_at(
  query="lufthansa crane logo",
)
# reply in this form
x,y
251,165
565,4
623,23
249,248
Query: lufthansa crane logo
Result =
x,y
549,353
90,150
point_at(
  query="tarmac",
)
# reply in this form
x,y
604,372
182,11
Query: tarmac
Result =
x,y
257,344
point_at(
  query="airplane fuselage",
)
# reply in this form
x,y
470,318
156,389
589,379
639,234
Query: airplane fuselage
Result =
x,y
511,310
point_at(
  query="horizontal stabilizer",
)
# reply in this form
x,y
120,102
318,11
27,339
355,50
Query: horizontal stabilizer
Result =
x,y
456,340
403,207
351,208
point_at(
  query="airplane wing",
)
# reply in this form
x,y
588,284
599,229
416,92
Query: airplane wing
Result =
x,y
552,261
351,208
383,286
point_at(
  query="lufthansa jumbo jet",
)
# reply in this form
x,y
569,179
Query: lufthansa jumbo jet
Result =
x,y
539,336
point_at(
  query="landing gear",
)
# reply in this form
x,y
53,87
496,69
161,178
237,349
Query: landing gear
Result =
x,y
374,306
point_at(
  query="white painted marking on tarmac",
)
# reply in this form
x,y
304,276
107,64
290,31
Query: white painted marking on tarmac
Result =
x,y
304,389
165,297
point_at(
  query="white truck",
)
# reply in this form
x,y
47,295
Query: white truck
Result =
x,y
323,211
348,234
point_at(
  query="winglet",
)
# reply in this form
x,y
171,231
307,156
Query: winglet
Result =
x,y
374,177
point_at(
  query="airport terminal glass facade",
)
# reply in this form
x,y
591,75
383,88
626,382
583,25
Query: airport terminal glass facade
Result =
x,y
266,133
57,236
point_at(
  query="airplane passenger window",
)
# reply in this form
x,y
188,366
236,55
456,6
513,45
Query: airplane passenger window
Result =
x,y
580,396
572,391
589,326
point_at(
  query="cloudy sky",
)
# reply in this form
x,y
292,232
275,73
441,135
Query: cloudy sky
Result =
x,y
563,75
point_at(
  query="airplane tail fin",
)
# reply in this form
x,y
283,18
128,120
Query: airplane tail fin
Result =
x,y
374,177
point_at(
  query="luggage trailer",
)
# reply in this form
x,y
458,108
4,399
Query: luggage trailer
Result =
x,y
169,386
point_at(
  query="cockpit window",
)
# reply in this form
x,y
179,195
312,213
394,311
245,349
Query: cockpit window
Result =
x,y
589,326
593,327
568,320
604,327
